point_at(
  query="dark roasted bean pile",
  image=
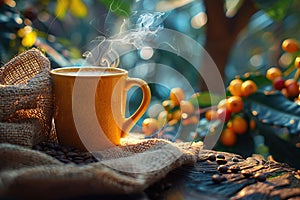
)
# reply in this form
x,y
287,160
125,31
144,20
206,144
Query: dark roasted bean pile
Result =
x,y
224,169
66,154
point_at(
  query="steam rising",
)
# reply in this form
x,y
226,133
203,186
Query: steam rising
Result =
x,y
139,31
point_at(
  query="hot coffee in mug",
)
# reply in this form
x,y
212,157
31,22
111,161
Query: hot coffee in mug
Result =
x,y
90,105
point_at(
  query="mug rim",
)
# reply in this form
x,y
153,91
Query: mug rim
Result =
x,y
63,71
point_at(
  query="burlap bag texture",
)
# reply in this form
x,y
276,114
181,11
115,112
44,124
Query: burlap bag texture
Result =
x,y
25,119
26,103
34,175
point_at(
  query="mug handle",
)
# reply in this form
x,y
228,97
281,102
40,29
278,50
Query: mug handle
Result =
x,y
131,121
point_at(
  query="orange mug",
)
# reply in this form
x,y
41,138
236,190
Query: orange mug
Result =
x,y
90,106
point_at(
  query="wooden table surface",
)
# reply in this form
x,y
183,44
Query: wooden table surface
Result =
x,y
195,182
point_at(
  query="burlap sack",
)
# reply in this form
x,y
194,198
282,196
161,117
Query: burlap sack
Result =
x,y
30,174
26,105
25,119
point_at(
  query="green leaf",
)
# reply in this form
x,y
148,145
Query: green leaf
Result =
x,y
275,109
119,7
205,99
280,149
276,9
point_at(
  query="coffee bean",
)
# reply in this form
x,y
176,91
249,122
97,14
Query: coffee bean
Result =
x,y
90,160
60,157
223,168
50,152
78,161
66,154
234,168
86,155
211,157
71,154
52,145
235,159
217,178
220,156
221,161
58,148
58,152
76,150
37,147
70,158
64,149
261,177
65,160
78,158
246,173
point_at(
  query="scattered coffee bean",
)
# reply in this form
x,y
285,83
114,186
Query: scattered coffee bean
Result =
x,y
235,159
220,156
246,173
223,168
261,177
221,161
234,168
217,178
211,157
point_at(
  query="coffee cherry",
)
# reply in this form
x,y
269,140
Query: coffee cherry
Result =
x,y
248,87
223,114
284,92
186,107
252,124
292,88
278,83
177,95
272,73
235,87
297,62
235,104
290,45
222,104
228,138
190,120
239,125
162,119
168,105
211,115
176,114
149,126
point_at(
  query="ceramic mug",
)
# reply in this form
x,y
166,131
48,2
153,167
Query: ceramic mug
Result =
x,y
90,105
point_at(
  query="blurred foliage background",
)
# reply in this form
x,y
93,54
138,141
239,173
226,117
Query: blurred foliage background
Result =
x,y
70,26
66,29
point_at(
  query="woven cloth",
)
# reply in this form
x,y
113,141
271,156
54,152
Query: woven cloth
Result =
x,y
30,174
26,105
25,120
